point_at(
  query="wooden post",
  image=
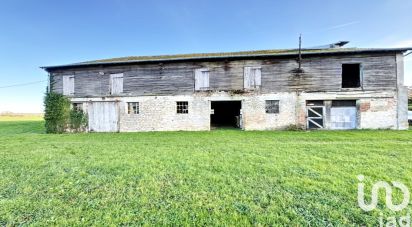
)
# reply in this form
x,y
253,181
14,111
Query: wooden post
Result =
x,y
300,52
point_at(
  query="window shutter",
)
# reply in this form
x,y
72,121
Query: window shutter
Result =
x,y
201,79
252,77
246,77
257,74
198,75
205,77
116,83
68,85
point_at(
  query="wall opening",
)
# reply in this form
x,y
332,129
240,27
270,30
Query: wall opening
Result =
x,y
315,111
225,114
351,75
343,114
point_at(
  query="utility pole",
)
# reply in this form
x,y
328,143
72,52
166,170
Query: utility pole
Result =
x,y
300,52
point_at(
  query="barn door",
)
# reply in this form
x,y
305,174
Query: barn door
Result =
x,y
315,117
343,114
343,118
103,117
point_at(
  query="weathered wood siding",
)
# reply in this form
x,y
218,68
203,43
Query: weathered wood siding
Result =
x,y
320,74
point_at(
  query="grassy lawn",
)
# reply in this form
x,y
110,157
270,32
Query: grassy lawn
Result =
x,y
222,177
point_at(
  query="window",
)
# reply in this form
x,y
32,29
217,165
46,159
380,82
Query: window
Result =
x,y
272,106
68,85
343,103
133,108
252,77
351,75
116,83
182,107
78,106
201,79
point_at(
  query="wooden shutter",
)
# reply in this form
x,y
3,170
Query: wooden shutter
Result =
x,y
257,74
201,79
252,77
246,77
68,85
116,83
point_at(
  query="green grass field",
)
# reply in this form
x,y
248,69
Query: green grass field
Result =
x,y
222,177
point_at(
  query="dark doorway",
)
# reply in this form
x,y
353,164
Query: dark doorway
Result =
x,y
225,114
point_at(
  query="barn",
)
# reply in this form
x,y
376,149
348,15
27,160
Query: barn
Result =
x,y
331,88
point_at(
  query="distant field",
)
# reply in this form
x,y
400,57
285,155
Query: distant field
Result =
x,y
21,117
223,177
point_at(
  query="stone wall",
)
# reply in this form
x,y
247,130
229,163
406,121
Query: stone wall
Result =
x,y
376,110
158,113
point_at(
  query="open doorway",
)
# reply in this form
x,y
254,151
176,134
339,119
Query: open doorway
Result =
x,y
226,114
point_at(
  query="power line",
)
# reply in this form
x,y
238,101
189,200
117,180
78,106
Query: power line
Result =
x,y
24,84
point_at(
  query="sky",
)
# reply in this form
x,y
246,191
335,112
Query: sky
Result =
x,y
36,33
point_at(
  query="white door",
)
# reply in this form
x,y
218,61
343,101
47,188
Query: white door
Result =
x,y
103,117
343,117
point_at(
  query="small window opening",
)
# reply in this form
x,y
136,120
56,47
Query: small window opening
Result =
x,y
351,75
182,107
314,103
133,108
78,106
272,106
343,103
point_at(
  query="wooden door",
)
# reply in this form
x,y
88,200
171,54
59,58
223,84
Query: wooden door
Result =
x,y
103,117
343,118
315,117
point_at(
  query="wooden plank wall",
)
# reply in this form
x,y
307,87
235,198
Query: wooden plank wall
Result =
x,y
320,74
